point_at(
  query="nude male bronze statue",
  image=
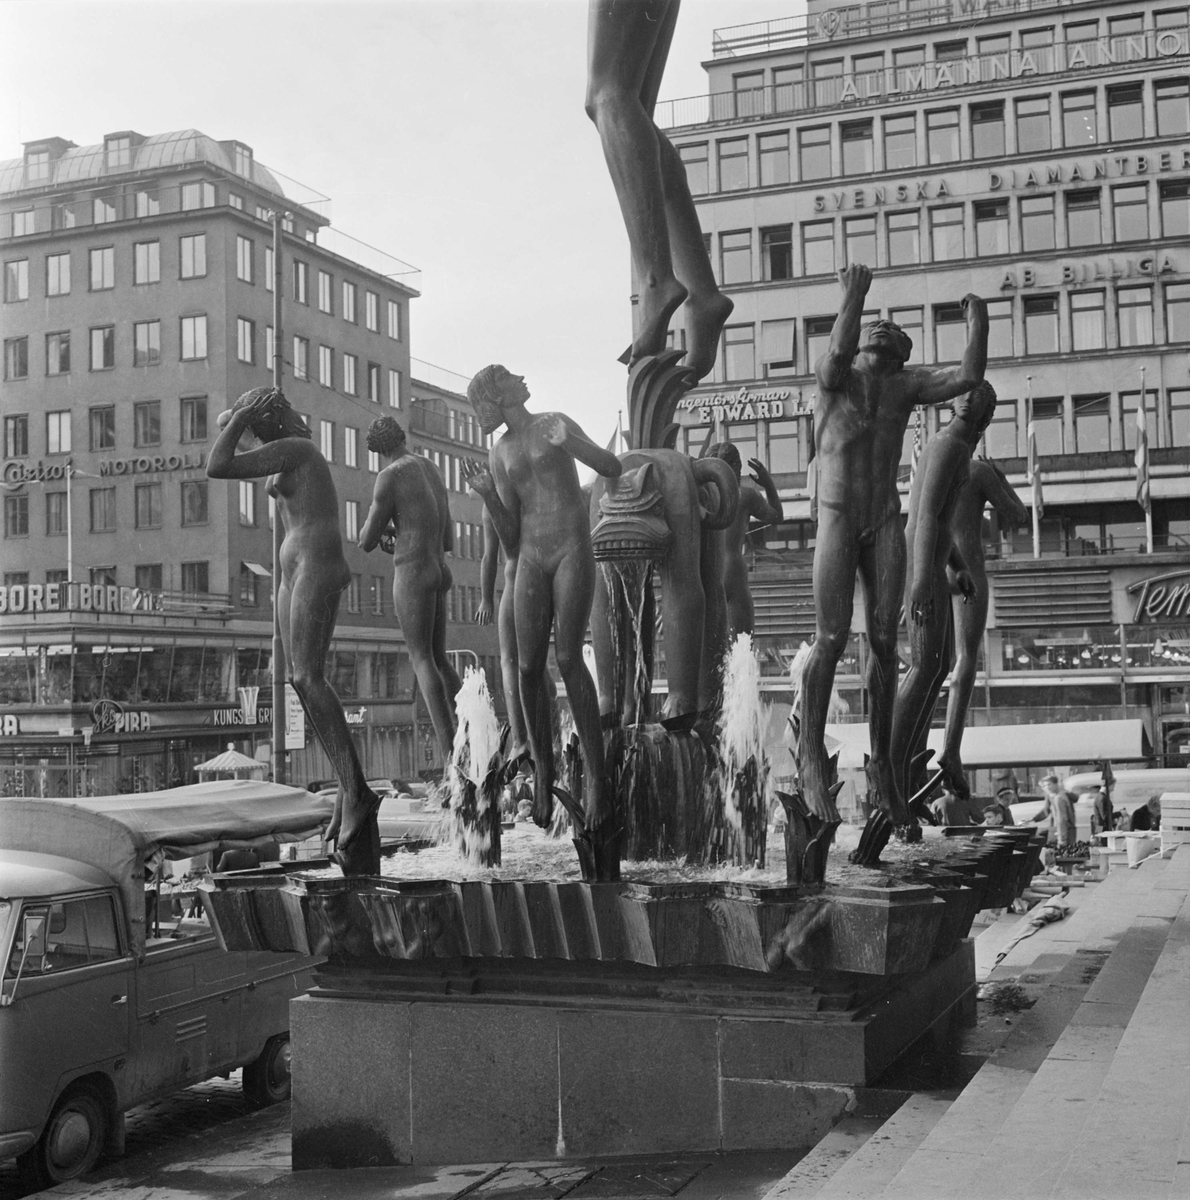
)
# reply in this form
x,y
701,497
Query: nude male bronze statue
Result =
x,y
531,490
760,502
410,506
627,45
865,396
986,485
942,472
314,573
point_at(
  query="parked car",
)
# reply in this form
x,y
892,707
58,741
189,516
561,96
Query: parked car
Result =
x,y
114,990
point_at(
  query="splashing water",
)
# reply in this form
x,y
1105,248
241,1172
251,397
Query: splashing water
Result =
x,y
474,817
629,594
743,773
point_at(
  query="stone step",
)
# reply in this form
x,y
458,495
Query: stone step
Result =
x,y
1012,1131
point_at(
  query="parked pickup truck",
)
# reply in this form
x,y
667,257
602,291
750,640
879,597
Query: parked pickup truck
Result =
x,y
115,991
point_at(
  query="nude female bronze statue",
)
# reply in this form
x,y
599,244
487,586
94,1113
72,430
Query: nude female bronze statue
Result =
x,y
986,485
410,506
627,45
760,502
314,573
532,492
942,472
865,396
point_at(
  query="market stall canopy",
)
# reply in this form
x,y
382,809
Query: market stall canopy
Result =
x,y
119,834
1063,743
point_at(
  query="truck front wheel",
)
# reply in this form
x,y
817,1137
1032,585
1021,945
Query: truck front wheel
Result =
x,y
267,1080
71,1143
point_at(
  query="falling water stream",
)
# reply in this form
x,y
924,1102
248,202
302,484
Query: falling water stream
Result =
x,y
474,816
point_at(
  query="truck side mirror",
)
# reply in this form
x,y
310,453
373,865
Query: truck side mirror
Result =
x,y
33,935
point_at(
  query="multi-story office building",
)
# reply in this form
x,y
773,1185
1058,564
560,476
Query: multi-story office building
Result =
x,y
1037,155
136,610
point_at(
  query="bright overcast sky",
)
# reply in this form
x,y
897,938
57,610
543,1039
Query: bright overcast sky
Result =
x,y
449,133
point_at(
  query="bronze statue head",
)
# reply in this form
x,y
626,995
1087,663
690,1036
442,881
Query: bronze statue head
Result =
x,y
490,390
385,435
730,455
275,417
887,337
977,406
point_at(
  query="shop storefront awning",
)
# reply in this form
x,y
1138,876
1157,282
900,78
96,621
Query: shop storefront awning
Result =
x,y
1057,744
257,569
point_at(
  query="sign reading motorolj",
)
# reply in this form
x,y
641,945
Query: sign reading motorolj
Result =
x,y
744,405
1162,596
76,597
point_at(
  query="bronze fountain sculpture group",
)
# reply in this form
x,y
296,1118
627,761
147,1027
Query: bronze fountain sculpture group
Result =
x,y
656,506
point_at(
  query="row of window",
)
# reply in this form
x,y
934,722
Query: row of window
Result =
x,y
101,347
148,508
349,378
325,293
451,466
939,137
1059,322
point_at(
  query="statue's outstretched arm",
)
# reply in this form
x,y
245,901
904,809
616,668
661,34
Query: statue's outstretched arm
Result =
x,y
767,509
568,434
488,568
833,366
1000,494
380,515
273,458
506,517
939,384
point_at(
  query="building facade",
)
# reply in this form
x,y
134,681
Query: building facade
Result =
x,y
135,608
1037,155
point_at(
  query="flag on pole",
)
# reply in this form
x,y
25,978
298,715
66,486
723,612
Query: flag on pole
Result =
x,y
1142,456
915,453
1033,468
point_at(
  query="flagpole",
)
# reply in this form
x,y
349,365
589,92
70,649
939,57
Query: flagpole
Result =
x,y
1035,470
1144,497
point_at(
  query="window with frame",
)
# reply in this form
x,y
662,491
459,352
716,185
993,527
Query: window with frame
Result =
x,y
856,140
326,440
733,164
147,500
301,281
235,201
1081,31
194,338
1092,421
16,280
1125,111
1130,212
245,258
778,348
900,142
248,502
146,415
394,320
55,515
698,173
372,311
350,446
103,510
942,136
776,252
904,239
1041,325
103,348
197,195
148,203
814,153
16,436
193,411
1177,312
326,366
350,363
102,422
146,262
818,338
353,606
268,269
1000,437
57,274
194,502
859,240
1175,208
1037,39
37,166
1179,413
773,151
1037,223
192,255
950,332
987,129
57,432
947,243
16,358
57,353
349,294
788,82
739,352
991,227
787,447
374,382
1083,224
1134,308
1171,99
748,93
1088,321
1128,405
149,577
103,209
377,594
195,578
16,516
996,43
1047,422
1079,126
301,358
351,520
1033,131
325,292
103,268
24,222
911,322
248,589
245,340
106,576
818,247
735,257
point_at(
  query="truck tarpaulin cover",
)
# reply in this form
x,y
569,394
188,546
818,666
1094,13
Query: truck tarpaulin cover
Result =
x,y
118,834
